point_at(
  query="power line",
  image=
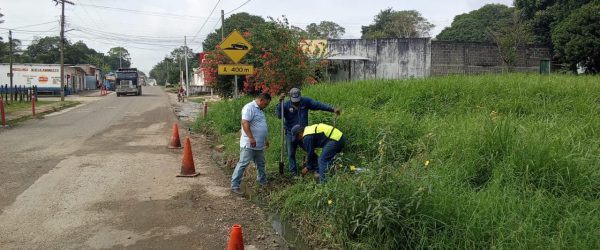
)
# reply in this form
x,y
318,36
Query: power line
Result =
x,y
205,21
128,38
91,19
26,31
150,13
158,43
33,25
238,7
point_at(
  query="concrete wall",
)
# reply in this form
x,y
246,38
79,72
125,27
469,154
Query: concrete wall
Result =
x,y
474,58
388,58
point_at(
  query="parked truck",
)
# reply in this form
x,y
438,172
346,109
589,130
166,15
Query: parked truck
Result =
x,y
127,82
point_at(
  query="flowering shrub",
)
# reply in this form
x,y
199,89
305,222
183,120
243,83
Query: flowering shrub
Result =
x,y
279,62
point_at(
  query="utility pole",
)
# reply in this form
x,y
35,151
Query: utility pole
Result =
x,y
167,81
62,47
120,58
10,45
187,80
222,25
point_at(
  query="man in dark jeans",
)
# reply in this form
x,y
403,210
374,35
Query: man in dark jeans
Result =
x,y
295,112
321,135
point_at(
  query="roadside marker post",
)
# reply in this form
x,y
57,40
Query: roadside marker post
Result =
x,y
205,110
33,105
2,112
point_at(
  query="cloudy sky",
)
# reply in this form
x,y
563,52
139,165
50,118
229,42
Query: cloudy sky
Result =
x,y
150,29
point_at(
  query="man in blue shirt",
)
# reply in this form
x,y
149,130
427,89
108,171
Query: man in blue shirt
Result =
x,y
324,136
295,112
253,141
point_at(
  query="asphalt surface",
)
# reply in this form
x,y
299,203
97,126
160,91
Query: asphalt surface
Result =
x,y
99,176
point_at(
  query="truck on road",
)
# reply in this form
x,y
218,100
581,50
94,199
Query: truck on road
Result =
x,y
127,82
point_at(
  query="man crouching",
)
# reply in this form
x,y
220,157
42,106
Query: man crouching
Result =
x,y
324,136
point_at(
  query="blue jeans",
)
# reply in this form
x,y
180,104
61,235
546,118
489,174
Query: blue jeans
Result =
x,y
330,149
247,155
291,152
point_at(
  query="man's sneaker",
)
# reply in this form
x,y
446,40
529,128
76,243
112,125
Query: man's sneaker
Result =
x,y
237,191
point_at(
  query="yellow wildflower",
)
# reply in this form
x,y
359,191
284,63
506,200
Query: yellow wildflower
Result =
x,y
329,202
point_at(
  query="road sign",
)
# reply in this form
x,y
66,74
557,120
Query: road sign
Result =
x,y
235,46
236,69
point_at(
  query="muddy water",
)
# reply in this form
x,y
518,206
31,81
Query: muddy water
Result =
x,y
294,240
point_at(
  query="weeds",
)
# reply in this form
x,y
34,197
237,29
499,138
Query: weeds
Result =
x,y
476,162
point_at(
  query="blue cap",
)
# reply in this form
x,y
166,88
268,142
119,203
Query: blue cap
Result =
x,y
297,129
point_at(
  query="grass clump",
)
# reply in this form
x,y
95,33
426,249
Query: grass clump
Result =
x,y
491,161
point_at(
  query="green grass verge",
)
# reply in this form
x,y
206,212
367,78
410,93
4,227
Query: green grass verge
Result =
x,y
20,106
196,99
55,106
476,162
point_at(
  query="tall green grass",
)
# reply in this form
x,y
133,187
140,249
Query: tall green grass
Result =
x,y
491,161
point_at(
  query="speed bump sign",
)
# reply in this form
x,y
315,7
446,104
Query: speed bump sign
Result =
x,y
235,46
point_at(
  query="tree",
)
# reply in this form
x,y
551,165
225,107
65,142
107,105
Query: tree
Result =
x,y
543,16
476,25
277,57
179,54
325,30
241,22
397,24
510,36
577,38
169,66
118,57
45,50
299,32
80,53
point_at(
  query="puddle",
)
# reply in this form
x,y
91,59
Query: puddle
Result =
x,y
291,236
293,239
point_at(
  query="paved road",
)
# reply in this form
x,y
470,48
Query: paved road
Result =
x,y
99,176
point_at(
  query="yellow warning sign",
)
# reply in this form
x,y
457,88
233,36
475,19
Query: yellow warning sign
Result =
x,y
235,46
236,69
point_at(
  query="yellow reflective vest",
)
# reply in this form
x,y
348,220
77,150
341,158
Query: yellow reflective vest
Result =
x,y
329,131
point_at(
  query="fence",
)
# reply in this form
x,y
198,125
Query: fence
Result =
x,y
17,93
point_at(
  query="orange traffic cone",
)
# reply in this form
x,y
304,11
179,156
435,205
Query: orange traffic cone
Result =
x,y
187,163
175,142
236,241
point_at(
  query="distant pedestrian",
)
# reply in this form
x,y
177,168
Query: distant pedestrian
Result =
x,y
181,94
324,136
295,112
253,141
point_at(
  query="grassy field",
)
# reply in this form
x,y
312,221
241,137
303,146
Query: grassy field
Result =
x,y
475,162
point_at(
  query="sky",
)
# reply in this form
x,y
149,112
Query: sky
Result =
x,y
151,29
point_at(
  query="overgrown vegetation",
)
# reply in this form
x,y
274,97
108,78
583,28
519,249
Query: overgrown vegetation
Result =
x,y
279,62
477,162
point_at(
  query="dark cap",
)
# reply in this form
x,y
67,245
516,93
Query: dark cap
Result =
x,y
295,95
297,129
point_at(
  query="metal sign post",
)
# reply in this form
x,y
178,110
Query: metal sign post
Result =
x,y
235,47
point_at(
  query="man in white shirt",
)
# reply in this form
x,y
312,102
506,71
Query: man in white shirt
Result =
x,y
253,141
